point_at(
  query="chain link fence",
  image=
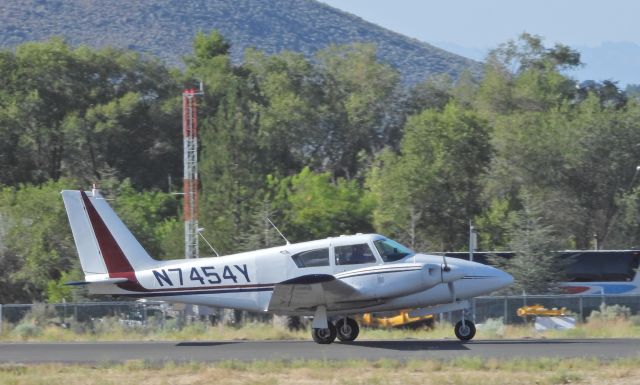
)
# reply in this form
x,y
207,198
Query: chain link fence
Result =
x,y
89,316
581,306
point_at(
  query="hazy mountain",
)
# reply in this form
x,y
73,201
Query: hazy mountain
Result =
x,y
165,28
609,61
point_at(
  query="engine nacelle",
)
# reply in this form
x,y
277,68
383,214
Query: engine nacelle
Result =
x,y
396,280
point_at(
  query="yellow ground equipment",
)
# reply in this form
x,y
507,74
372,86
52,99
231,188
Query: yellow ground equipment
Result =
x,y
539,310
401,319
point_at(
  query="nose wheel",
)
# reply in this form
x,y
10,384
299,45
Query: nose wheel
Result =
x,y
465,330
347,329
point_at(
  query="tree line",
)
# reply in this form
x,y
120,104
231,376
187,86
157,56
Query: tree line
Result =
x,y
324,146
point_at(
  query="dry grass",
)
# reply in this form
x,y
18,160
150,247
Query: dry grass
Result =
x,y
617,328
459,371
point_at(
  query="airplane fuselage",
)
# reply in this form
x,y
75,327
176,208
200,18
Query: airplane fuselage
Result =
x,y
246,281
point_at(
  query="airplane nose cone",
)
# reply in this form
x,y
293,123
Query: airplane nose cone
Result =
x,y
505,278
496,278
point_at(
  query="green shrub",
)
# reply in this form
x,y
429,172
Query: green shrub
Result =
x,y
493,327
608,313
26,330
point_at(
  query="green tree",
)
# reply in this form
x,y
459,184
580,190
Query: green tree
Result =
x,y
58,291
579,160
432,188
492,225
625,226
260,233
232,167
317,207
535,266
633,91
397,212
524,75
359,95
288,110
81,113
35,247
152,217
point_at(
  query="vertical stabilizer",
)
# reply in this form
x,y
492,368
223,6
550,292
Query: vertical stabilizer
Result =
x,y
105,245
85,240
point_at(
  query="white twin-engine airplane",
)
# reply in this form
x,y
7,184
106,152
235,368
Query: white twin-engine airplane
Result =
x,y
329,279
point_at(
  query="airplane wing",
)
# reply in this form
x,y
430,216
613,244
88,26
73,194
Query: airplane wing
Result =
x,y
306,292
358,288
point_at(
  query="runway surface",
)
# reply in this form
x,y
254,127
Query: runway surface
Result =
x,y
91,352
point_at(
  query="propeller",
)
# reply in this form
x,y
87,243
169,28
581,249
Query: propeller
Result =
x,y
450,285
452,291
445,267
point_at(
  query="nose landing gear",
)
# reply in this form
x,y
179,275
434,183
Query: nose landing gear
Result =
x,y
465,330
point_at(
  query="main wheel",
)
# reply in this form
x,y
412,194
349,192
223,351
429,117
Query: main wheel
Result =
x,y
324,336
347,331
465,331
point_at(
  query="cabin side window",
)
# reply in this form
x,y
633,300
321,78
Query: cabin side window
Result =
x,y
354,254
312,258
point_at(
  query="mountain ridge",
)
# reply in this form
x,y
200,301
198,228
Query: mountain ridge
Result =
x,y
165,28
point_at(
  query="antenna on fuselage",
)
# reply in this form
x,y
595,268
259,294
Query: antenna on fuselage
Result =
x,y
274,226
200,230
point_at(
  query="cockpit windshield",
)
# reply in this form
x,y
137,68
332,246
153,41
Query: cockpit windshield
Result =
x,y
391,251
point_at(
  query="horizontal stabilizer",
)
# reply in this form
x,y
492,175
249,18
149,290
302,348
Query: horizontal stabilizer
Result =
x,y
101,279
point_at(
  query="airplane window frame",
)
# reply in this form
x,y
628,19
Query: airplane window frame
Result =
x,y
337,257
396,256
298,262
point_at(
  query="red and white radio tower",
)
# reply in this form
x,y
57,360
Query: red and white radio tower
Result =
x,y
190,183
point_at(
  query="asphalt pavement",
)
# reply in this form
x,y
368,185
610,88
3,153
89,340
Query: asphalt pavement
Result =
x,y
210,351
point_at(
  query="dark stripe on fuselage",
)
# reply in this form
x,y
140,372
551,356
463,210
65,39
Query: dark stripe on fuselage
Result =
x,y
189,289
380,271
196,292
477,277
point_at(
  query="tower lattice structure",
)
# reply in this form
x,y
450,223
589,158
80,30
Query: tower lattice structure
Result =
x,y
190,181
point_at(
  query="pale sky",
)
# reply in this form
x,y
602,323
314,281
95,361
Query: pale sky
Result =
x,y
487,23
605,32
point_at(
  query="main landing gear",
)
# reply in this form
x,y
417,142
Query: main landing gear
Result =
x,y
345,329
324,336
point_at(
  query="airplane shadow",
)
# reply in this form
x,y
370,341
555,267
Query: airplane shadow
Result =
x,y
426,345
532,342
205,343
409,345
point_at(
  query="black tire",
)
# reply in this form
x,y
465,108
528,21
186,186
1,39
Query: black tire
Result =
x,y
324,336
465,332
347,331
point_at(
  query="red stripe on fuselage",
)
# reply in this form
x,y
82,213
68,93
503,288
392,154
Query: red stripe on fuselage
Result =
x,y
117,264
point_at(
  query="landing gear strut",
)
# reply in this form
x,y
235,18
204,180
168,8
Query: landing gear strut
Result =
x,y
324,336
465,330
347,329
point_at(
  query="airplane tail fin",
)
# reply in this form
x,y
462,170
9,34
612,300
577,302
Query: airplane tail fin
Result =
x,y
108,251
